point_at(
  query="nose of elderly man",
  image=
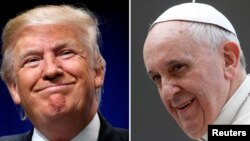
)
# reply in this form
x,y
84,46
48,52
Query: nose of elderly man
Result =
x,y
168,89
51,69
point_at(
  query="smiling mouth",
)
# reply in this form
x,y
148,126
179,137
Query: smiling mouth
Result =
x,y
52,87
185,104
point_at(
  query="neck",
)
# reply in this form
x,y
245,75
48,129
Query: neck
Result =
x,y
64,128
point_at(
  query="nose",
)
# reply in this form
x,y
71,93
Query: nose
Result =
x,y
51,69
169,89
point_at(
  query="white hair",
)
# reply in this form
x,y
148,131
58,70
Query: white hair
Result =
x,y
213,36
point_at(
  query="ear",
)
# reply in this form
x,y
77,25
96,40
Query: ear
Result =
x,y
231,52
14,94
99,77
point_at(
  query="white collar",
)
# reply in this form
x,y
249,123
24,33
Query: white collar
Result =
x,y
90,133
203,138
229,110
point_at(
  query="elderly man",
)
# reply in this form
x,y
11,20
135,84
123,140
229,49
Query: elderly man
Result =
x,y
193,56
53,68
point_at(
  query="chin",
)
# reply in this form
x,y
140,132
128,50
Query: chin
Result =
x,y
195,134
55,112
193,131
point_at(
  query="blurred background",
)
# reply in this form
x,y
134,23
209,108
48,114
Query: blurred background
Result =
x,y
149,119
114,26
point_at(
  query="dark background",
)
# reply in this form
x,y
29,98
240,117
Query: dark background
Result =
x,y
113,16
150,121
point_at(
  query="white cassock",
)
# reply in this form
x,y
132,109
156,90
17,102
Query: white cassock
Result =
x,y
237,109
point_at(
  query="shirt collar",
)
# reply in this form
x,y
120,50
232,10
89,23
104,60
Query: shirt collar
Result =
x,y
90,133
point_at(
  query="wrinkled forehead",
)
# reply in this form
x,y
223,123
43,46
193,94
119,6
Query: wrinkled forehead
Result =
x,y
59,29
49,33
170,41
166,33
46,38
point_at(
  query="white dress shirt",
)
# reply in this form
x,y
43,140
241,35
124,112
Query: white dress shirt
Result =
x,y
90,133
236,110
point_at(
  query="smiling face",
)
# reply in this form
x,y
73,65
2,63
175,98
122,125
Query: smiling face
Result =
x,y
189,76
53,75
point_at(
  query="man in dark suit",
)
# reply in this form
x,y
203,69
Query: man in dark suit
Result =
x,y
107,133
52,66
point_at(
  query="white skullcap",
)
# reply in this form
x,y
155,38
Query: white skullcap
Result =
x,y
196,12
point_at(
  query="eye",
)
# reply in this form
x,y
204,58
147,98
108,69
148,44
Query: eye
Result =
x,y
31,62
66,54
156,78
178,69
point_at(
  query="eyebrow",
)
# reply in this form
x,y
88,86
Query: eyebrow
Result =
x,y
173,62
29,51
56,46
61,43
167,64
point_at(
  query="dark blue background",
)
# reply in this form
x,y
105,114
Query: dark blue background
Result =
x,y
114,25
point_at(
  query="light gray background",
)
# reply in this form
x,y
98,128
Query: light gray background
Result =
x,y
149,119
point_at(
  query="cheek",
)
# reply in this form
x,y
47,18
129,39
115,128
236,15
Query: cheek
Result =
x,y
80,71
27,78
209,88
77,67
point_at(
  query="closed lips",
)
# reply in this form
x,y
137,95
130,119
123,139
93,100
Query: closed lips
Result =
x,y
40,88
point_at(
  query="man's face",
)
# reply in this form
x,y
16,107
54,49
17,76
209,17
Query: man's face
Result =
x,y
53,75
189,76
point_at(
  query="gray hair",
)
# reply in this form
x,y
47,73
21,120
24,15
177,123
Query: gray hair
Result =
x,y
51,14
213,36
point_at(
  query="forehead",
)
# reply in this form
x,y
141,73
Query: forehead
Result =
x,y
48,31
169,39
45,35
167,32
172,42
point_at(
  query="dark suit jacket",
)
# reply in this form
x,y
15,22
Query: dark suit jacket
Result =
x,y
107,133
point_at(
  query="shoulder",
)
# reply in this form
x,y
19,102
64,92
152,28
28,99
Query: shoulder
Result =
x,y
243,116
113,134
109,133
18,137
122,134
